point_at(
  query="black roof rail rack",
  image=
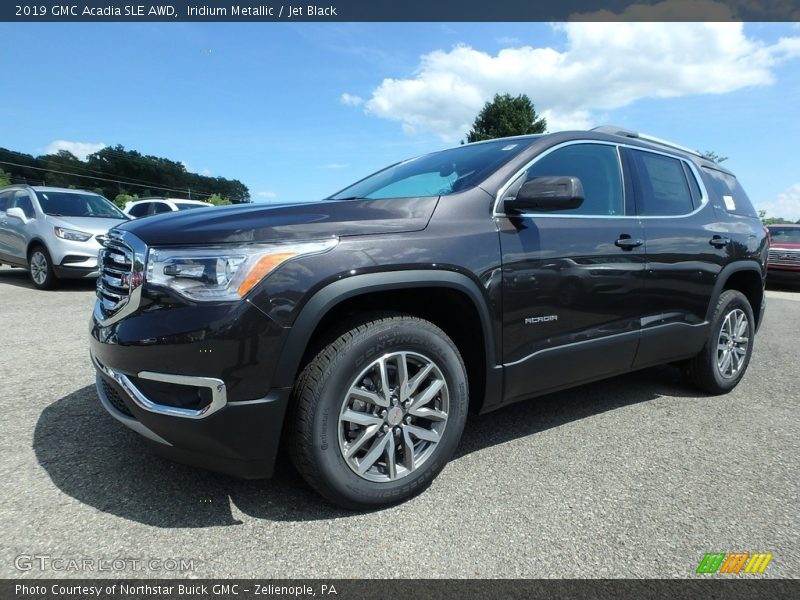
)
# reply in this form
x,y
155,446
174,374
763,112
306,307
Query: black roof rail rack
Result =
x,y
611,129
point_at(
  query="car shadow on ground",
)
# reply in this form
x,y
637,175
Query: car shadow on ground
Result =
x,y
21,278
96,460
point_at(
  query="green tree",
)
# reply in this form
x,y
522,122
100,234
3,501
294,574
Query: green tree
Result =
x,y
762,214
217,200
712,156
122,199
5,178
504,116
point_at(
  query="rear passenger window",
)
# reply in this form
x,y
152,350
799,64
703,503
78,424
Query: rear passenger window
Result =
x,y
662,188
4,196
161,207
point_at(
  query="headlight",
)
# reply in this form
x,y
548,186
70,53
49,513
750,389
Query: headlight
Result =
x,y
222,273
72,234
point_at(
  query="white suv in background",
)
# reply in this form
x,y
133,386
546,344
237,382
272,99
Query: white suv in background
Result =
x,y
55,233
155,206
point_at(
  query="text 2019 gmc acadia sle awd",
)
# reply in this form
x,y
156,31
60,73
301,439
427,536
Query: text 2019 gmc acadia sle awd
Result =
x,y
359,330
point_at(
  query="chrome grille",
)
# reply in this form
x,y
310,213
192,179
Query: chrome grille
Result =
x,y
115,276
777,256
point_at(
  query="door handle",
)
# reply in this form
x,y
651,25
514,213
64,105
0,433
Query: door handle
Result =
x,y
719,242
627,243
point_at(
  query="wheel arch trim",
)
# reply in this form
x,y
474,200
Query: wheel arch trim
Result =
x,y
333,294
722,279
33,242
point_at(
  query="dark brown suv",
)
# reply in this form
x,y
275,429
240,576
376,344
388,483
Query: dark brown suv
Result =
x,y
360,329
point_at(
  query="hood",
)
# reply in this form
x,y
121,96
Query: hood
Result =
x,y
93,225
268,223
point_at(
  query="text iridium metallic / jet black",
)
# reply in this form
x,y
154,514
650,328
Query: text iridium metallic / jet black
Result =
x,y
364,324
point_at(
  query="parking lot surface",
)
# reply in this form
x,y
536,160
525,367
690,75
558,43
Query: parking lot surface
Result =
x,y
638,476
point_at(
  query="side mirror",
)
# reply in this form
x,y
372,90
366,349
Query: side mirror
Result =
x,y
545,194
16,211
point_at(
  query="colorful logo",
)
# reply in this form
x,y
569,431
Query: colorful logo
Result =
x,y
734,562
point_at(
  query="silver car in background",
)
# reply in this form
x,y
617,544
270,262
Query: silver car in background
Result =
x,y
55,233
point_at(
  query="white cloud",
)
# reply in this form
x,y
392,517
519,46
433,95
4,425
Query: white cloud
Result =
x,y
189,169
786,204
508,41
79,149
604,66
350,100
267,195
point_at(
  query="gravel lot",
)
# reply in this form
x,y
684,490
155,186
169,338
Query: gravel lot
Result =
x,y
637,476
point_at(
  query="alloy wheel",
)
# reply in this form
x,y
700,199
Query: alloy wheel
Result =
x,y
732,343
38,267
393,416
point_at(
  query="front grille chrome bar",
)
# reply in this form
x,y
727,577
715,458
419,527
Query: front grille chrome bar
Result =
x,y
121,264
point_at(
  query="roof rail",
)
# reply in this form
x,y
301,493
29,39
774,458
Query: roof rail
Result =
x,y
611,129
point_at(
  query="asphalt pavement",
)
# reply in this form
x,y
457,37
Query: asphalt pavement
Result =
x,y
637,476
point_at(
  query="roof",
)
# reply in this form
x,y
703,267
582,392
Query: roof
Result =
x,y
47,188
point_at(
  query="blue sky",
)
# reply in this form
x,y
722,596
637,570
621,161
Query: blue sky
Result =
x,y
297,111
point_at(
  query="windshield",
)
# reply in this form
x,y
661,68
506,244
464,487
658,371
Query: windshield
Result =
x,y
77,204
789,235
187,205
437,174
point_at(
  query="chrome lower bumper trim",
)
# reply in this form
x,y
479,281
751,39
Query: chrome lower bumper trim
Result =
x,y
216,386
129,422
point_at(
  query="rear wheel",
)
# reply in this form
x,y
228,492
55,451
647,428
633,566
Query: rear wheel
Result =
x,y
379,412
720,366
41,268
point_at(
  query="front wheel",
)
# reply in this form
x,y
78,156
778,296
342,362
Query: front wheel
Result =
x,y
41,268
379,412
723,361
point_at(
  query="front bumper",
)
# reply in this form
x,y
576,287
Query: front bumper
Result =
x,y
74,254
195,379
237,438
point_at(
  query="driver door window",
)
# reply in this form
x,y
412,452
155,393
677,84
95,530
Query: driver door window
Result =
x,y
139,210
22,200
598,168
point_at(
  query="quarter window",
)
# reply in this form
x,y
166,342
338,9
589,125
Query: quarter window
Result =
x,y
596,165
725,184
662,186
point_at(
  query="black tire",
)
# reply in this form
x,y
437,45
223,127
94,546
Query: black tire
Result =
x,y
323,392
704,370
40,266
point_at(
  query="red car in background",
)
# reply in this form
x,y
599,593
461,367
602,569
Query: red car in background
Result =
x,y
784,253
